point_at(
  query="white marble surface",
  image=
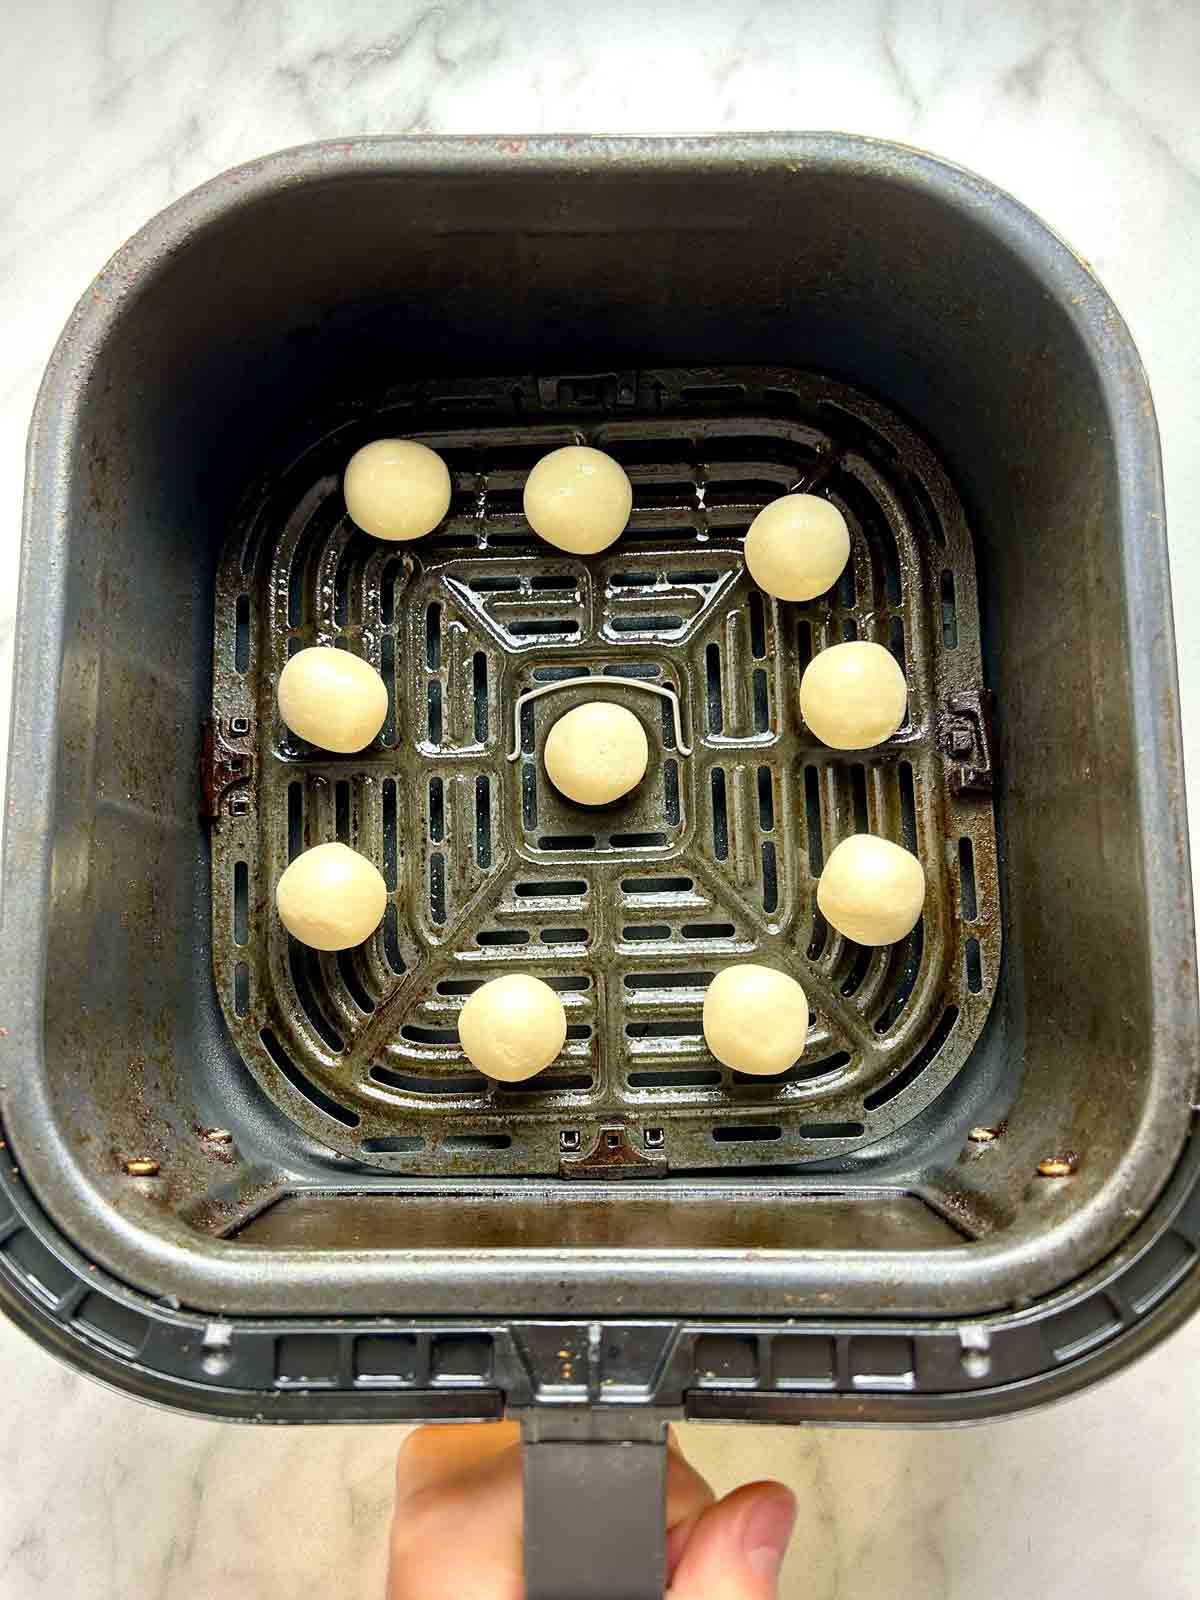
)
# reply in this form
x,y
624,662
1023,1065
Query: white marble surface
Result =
x,y
1086,111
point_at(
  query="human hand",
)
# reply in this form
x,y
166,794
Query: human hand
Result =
x,y
456,1527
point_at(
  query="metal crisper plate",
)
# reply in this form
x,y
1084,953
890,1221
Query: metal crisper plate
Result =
x,y
627,911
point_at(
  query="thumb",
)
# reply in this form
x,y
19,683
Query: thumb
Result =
x,y
737,1546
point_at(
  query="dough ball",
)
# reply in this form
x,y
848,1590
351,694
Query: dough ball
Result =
x,y
755,1019
853,695
596,753
512,1027
578,499
871,889
397,489
332,698
797,547
331,897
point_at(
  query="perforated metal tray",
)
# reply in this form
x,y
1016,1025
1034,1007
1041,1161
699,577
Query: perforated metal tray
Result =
x,y
630,909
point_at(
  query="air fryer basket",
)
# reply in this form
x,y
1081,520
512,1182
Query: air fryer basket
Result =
x,y
627,910
279,1194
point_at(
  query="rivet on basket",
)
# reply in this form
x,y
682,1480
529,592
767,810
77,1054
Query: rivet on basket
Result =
x,y
1057,1167
142,1168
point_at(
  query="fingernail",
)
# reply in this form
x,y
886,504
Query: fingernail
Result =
x,y
767,1532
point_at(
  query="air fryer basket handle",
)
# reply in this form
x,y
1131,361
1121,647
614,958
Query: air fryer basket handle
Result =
x,y
595,1514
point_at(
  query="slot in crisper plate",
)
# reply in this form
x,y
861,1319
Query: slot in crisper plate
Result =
x,y
628,910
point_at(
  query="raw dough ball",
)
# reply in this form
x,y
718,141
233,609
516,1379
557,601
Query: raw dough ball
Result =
x,y
331,897
332,698
397,489
797,547
596,753
578,499
512,1027
853,695
871,889
755,1019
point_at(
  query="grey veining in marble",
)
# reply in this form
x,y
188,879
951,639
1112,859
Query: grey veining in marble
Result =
x,y
1087,112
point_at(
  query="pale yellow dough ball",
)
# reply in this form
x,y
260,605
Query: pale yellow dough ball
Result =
x,y
513,1027
331,897
578,499
332,698
755,1019
871,890
596,753
397,489
797,547
853,695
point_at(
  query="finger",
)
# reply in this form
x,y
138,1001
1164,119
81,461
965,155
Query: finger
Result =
x,y
688,1494
456,1529
688,1497
737,1546
679,1536
442,1450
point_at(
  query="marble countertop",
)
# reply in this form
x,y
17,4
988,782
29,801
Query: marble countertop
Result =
x,y
1085,111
